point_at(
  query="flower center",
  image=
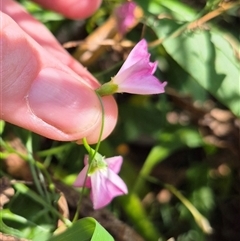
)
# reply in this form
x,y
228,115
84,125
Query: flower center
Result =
x,y
97,163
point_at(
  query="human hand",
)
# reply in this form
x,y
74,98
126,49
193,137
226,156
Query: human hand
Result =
x,y
43,89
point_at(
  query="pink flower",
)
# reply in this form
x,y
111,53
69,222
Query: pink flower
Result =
x,y
103,180
135,75
125,16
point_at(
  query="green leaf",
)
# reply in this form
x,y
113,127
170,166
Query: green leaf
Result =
x,y
212,4
23,227
174,8
100,233
33,221
208,57
86,229
200,220
8,230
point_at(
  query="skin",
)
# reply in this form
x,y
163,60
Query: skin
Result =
x,y
43,89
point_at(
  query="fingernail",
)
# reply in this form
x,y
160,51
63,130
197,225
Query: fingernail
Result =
x,y
63,102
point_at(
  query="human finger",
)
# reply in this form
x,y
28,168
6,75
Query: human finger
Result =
x,y
72,8
41,94
45,38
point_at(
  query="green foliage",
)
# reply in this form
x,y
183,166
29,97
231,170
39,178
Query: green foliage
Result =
x,y
173,8
35,221
200,61
209,59
86,229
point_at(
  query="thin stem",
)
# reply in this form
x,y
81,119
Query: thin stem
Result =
x,y
32,166
54,150
24,189
51,185
86,145
89,150
102,124
108,70
91,158
37,171
201,221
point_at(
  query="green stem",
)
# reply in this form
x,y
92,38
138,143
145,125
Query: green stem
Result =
x,y
102,124
91,158
201,221
25,190
33,166
86,145
51,185
54,150
108,70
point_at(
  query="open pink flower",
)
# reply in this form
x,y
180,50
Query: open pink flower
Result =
x,y
135,75
103,180
125,16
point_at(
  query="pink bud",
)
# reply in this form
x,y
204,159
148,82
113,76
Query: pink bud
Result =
x,y
125,16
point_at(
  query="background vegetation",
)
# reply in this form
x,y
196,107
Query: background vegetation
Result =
x,y
181,149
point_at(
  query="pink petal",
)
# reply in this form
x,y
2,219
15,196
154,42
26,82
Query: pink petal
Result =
x,y
139,52
153,66
139,69
138,79
81,178
105,186
116,183
114,163
145,85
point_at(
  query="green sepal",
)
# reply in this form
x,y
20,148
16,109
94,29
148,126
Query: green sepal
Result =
x,y
108,88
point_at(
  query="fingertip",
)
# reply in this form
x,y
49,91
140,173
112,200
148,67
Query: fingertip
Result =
x,y
110,115
110,121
